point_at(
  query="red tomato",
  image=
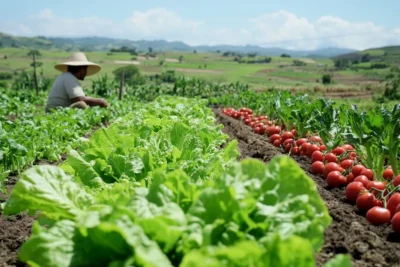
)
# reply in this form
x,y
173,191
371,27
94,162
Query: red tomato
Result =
x,y
336,179
287,135
273,130
396,180
311,149
330,167
304,147
363,179
338,151
350,178
393,202
365,201
396,222
353,191
371,186
368,173
274,137
357,169
378,203
348,147
278,142
388,174
294,132
301,141
316,139
330,157
295,150
322,148
287,141
347,163
317,156
378,216
317,167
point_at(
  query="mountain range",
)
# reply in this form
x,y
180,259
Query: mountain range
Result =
x,y
105,44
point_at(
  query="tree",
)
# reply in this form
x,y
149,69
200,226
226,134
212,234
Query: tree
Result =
x,y
285,55
150,50
180,58
194,51
34,64
1,44
326,79
392,87
132,75
365,58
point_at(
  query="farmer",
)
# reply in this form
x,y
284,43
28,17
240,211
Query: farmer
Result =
x,y
66,90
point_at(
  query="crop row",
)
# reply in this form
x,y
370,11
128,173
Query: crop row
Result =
x,y
358,151
155,188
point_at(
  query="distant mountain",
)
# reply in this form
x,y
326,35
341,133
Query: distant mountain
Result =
x,y
105,44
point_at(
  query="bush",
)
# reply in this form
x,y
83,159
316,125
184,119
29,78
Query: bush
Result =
x,y
132,75
5,76
299,63
285,55
379,66
326,79
392,87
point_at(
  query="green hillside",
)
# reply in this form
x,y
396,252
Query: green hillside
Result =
x,y
388,54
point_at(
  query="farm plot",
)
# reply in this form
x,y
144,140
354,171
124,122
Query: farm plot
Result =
x,y
350,232
162,187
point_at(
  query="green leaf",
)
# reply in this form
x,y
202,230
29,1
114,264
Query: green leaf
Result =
x,y
49,190
341,260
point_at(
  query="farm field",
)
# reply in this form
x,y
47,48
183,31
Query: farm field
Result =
x,y
176,173
280,73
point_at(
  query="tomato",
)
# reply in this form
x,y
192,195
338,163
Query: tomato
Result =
x,y
257,130
274,137
368,173
378,203
304,147
388,174
396,180
365,201
338,151
396,222
372,185
252,124
330,167
363,179
277,142
357,169
353,191
311,149
273,130
330,157
378,216
287,141
294,132
350,178
317,167
301,141
322,148
393,202
316,139
287,147
247,121
287,135
317,156
295,150
347,163
336,179
347,147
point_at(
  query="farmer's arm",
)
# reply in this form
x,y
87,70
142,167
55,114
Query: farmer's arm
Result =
x,y
75,93
91,101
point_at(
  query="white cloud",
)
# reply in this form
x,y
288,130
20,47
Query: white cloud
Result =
x,y
279,29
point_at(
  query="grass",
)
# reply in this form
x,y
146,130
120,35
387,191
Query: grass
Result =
x,y
210,66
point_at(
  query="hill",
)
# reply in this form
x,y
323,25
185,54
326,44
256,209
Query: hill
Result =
x,y
105,44
388,54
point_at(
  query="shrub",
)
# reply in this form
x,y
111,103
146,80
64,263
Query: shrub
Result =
x,y
326,79
132,75
5,76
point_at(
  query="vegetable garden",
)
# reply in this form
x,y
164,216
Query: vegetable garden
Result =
x,y
200,174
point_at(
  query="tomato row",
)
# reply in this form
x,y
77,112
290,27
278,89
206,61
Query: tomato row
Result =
x,y
376,195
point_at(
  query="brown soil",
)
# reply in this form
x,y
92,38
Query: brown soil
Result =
x,y
15,230
349,232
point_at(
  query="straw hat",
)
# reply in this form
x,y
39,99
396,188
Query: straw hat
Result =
x,y
78,59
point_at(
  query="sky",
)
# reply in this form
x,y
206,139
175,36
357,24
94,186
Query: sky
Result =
x,y
296,24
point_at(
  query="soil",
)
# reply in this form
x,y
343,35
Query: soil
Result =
x,y
349,232
15,230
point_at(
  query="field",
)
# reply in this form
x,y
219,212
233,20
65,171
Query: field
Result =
x,y
215,169
280,73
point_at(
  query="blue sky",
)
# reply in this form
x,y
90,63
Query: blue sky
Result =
x,y
269,23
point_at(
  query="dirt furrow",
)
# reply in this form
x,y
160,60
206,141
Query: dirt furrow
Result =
x,y
349,232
